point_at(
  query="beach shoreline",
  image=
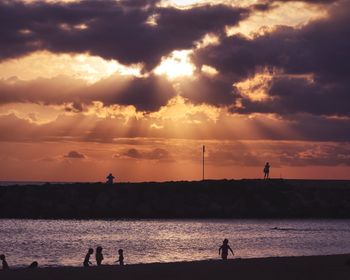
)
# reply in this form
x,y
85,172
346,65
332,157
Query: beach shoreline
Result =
x,y
300,267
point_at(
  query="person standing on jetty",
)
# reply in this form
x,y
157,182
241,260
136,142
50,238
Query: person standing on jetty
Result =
x,y
99,255
87,262
266,170
121,257
223,250
110,179
5,266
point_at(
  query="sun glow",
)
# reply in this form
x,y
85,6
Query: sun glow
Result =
x,y
176,65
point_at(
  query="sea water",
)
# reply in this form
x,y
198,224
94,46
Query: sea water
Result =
x,y
65,242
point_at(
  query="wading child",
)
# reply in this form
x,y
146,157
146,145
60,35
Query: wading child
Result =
x,y
5,266
87,262
121,257
99,255
223,250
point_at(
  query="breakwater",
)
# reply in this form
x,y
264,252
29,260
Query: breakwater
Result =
x,y
208,199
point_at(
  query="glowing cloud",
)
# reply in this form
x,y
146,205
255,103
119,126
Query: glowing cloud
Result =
x,y
45,64
288,14
256,88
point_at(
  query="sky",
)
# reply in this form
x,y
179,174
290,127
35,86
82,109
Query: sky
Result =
x,y
136,88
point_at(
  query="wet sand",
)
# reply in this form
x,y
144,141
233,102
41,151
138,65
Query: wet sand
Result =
x,y
282,268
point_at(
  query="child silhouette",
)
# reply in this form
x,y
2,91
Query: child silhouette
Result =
x,y
87,262
223,250
5,266
99,255
33,265
121,257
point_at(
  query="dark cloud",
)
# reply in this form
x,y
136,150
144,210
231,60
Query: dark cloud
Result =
x,y
319,49
139,3
299,95
158,154
232,156
57,90
217,91
132,153
280,154
115,30
146,94
262,7
316,154
75,155
119,30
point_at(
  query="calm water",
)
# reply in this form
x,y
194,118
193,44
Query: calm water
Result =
x,y
65,242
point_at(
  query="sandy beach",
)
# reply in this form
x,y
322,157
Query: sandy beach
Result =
x,y
308,268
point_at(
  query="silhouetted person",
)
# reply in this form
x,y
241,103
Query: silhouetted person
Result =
x,y
99,255
5,266
110,179
266,170
223,250
33,265
87,262
121,257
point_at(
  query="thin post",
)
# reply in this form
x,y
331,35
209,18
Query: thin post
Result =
x,y
203,160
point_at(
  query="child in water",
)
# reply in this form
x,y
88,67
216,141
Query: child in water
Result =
x,y
99,256
121,257
87,262
33,265
5,266
224,249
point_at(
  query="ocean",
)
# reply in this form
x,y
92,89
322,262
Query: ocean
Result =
x,y
65,242
23,183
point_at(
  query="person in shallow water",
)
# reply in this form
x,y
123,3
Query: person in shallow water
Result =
x,y
110,179
5,266
121,257
87,262
33,265
223,250
99,255
266,170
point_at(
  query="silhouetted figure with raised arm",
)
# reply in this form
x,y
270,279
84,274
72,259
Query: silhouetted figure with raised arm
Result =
x,y
99,255
87,262
223,250
110,179
5,266
266,170
121,257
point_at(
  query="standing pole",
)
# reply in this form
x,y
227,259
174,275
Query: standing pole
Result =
x,y
203,160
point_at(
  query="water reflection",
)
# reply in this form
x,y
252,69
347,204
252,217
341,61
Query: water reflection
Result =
x,y
62,242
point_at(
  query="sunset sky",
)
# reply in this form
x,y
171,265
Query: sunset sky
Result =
x,y
136,87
